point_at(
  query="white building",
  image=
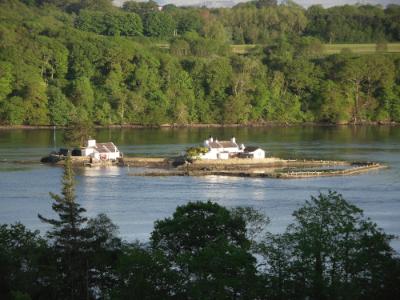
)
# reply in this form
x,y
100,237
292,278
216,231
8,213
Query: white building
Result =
x,y
253,152
101,151
229,149
221,149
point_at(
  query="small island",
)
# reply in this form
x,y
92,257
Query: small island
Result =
x,y
213,158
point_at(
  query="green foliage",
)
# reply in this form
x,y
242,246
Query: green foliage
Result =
x,y
22,253
36,102
84,249
63,60
68,236
6,80
62,111
188,21
101,5
331,251
194,152
143,274
114,24
141,8
160,25
78,132
14,111
207,248
352,24
203,251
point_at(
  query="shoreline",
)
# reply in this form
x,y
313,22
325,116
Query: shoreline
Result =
x,y
210,125
265,168
271,167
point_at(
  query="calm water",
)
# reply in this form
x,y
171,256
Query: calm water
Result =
x,y
134,203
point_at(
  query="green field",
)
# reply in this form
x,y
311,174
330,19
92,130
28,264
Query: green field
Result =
x,y
327,48
360,48
333,48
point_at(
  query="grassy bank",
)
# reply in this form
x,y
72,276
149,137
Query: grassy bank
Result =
x,y
333,48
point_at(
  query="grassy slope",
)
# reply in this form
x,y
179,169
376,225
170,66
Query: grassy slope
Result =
x,y
332,48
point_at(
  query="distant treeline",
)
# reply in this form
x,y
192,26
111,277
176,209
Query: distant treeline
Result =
x,y
68,60
203,251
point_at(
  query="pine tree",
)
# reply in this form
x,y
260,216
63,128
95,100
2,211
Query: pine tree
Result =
x,y
69,237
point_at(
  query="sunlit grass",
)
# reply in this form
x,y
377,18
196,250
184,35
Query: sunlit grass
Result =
x,y
360,48
327,48
333,48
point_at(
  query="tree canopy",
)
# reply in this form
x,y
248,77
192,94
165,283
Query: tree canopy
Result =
x,y
203,251
66,60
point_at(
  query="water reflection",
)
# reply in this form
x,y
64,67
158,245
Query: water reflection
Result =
x,y
134,203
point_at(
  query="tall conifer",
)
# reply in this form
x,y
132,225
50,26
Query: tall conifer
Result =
x,y
69,238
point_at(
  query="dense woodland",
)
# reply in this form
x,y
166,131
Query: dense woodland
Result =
x,y
203,251
64,61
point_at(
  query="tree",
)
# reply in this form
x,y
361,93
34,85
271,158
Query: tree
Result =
x,y
24,264
263,3
159,25
14,111
36,102
332,251
188,21
85,250
116,90
103,251
141,8
6,79
69,239
77,132
179,47
208,249
143,274
110,23
217,75
368,76
61,110
100,5
333,106
82,93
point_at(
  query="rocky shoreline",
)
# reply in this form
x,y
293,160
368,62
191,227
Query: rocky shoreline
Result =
x,y
265,168
270,167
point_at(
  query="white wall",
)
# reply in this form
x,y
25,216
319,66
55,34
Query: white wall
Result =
x,y
212,154
258,154
223,155
232,150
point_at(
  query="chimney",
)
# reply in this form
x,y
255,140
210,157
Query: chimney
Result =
x,y
211,139
91,143
233,140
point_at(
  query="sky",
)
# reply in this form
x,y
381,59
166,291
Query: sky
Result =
x,y
305,3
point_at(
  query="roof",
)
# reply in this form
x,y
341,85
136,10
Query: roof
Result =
x,y
228,144
222,144
214,145
106,147
251,149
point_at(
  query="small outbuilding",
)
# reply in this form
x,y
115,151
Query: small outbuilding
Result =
x,y
253,152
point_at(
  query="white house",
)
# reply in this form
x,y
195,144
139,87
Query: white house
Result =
x,y
101,151
253,152
221,149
